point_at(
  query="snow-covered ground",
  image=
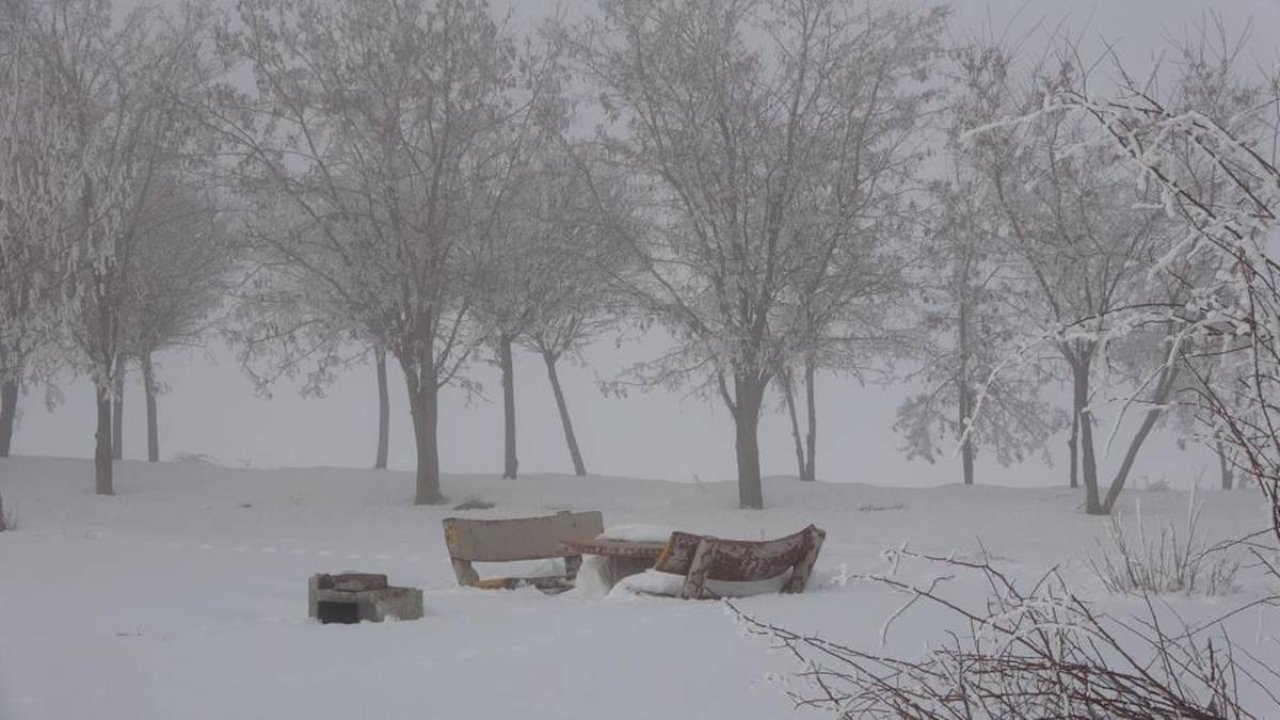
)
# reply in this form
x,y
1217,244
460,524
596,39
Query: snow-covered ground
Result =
x,y
185,595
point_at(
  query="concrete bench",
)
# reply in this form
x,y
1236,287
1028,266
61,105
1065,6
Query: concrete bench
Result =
x,y
534,538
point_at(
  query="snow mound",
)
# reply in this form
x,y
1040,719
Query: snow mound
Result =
x,y
654,582
636,532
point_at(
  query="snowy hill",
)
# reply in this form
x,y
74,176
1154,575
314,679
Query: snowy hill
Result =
x,y
185,595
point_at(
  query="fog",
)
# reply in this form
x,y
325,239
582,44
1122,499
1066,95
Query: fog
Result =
x,y
211,410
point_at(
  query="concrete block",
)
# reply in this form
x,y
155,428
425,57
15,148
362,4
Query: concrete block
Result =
x,y
353,598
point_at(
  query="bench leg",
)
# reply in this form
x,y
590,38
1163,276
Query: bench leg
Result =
x,y
696,581
467,575
803,569
572,563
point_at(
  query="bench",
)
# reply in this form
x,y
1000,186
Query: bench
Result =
x,y
535,538
700,558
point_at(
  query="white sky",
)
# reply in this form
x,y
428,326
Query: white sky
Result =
x,y
211,409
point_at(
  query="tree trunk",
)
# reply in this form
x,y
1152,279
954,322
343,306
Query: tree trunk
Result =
x,y
1224,466
811,439
1079,405
789,395
1163,387
1073,449
966,459
8,414
102,451
117,415
384,410
966,417
153,420
510,462
966,396
579,467
424,409
748,396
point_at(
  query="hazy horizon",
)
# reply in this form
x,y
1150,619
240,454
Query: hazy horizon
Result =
x,y
211,408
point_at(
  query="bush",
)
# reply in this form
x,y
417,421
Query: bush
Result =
x,y
881,508
1036,653
1135,562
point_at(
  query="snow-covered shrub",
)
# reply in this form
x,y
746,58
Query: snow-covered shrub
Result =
x,y
1133,560
870,507
1037,652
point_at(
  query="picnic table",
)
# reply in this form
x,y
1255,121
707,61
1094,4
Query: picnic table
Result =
x,y
620,557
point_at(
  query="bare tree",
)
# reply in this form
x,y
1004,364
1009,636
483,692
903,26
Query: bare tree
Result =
x,y
386,129
36,181
971,332
726,112
119,89
544,281
511,265
179,275
857,221
1218,178
1067,210
570,291
971,335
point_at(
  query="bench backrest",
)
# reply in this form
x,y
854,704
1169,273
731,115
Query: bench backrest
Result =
x,y
701,558
534,538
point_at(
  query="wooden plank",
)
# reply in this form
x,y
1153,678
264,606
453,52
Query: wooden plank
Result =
x,y
535,538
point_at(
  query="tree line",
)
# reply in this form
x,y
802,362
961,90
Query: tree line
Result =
x,y
788,189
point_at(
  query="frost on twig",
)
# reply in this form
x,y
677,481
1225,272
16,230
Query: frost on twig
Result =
x,y
1025,653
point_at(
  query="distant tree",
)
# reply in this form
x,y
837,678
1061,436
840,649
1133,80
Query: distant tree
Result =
x,y
283,320
727,113
856,218
977,397
571,290
510,264
386,130
973,337
179,276
543,282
